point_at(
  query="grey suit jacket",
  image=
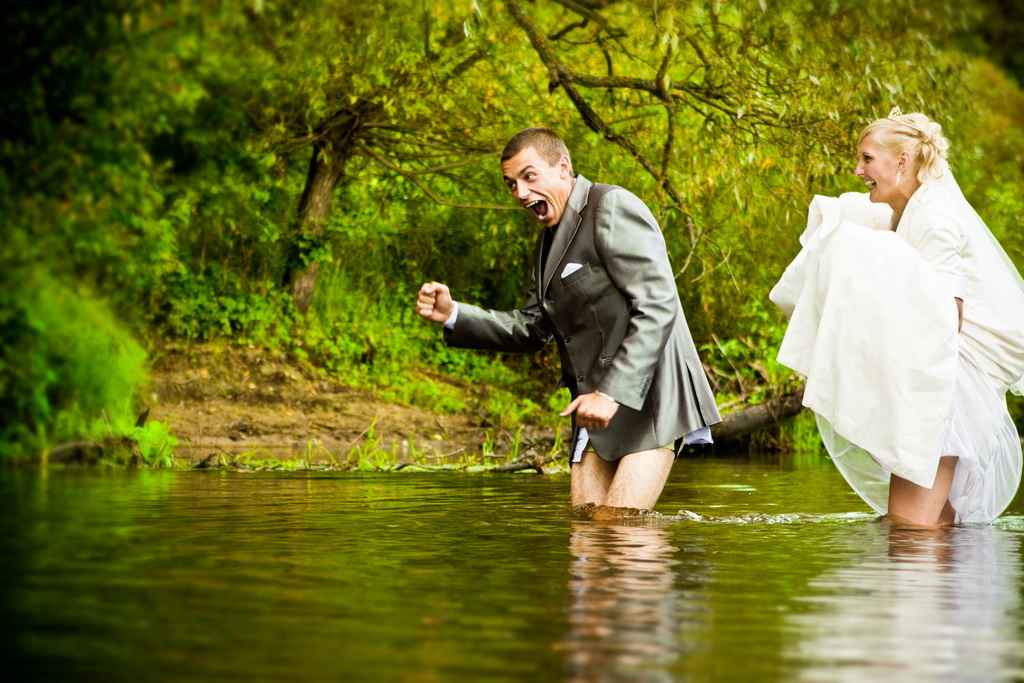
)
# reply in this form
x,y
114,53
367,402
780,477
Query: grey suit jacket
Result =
x,y
617,320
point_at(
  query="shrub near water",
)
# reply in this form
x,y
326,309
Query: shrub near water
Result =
x,y
64,362
375,340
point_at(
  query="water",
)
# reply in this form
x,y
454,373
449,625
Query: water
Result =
x,y
754,571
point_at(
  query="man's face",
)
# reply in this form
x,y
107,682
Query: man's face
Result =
x,y
541,189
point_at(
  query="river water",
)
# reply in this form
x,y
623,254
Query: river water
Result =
x,y
755,570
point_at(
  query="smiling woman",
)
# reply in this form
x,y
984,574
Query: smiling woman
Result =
x,y
925,317
888,147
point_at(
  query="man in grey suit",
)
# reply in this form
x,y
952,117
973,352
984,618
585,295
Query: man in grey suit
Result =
x,y
604,290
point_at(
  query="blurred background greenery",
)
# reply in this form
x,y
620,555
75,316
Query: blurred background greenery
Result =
x,y
286,174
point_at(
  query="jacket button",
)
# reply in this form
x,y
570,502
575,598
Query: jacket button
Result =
x,y
566,339
579,378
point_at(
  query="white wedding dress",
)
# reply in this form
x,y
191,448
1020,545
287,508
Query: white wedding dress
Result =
x,y
873,328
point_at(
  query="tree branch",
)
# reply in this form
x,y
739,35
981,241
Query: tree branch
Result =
x,y
562,76
568,29
268,40
643,84
446,167
464,66
670,135
736,426
591,15
411,177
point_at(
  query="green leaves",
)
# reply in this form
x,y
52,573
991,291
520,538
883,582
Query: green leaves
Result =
x,y
162,153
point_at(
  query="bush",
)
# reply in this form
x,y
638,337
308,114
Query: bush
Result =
x,y
64,361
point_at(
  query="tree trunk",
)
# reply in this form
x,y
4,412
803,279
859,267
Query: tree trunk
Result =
x,y
735,427
335,146
324,176
730,433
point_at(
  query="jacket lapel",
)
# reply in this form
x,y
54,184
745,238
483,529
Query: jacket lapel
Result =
x,y
566,231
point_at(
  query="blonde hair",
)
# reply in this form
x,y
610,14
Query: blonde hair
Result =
x,y
915,134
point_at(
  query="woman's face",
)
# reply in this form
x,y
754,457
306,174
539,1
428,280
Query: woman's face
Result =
x,y
879,169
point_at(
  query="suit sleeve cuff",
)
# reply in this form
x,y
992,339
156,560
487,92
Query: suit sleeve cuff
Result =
x,y
450,322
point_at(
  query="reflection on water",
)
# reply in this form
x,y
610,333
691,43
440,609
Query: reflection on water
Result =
x,y
626,612
939,604
774,572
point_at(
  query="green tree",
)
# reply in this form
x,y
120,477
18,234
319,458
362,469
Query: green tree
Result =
x,y
394,84
213,167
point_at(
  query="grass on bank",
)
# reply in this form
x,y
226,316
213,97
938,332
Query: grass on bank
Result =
x,y
74,376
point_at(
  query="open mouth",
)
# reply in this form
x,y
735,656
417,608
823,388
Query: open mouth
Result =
x,y
538,208
870,183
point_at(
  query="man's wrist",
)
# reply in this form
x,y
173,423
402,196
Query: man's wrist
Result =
x,y
606,396
450,321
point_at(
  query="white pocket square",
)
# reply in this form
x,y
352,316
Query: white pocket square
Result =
x,y
570,268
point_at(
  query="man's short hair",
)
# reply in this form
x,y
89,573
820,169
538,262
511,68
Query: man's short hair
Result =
x,y
546,141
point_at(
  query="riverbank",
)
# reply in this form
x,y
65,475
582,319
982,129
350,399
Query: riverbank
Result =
x,y
238,406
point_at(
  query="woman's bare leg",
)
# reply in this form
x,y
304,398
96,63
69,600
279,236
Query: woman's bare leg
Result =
x,y
928,507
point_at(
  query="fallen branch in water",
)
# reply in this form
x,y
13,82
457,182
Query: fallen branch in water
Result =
x,y
736,426
530,461
732,431
79,452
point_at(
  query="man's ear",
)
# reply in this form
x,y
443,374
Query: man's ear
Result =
x,y
564,167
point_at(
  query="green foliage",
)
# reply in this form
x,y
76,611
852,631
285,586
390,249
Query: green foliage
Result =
x,y
198,307
65,361
376,341
157,157
800,436
155,443
121,438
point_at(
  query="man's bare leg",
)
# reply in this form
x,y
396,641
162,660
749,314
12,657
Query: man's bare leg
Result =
x,y
918,505
589,479
640,478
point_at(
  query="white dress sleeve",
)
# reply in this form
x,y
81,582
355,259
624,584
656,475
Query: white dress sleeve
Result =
x,y
940,241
